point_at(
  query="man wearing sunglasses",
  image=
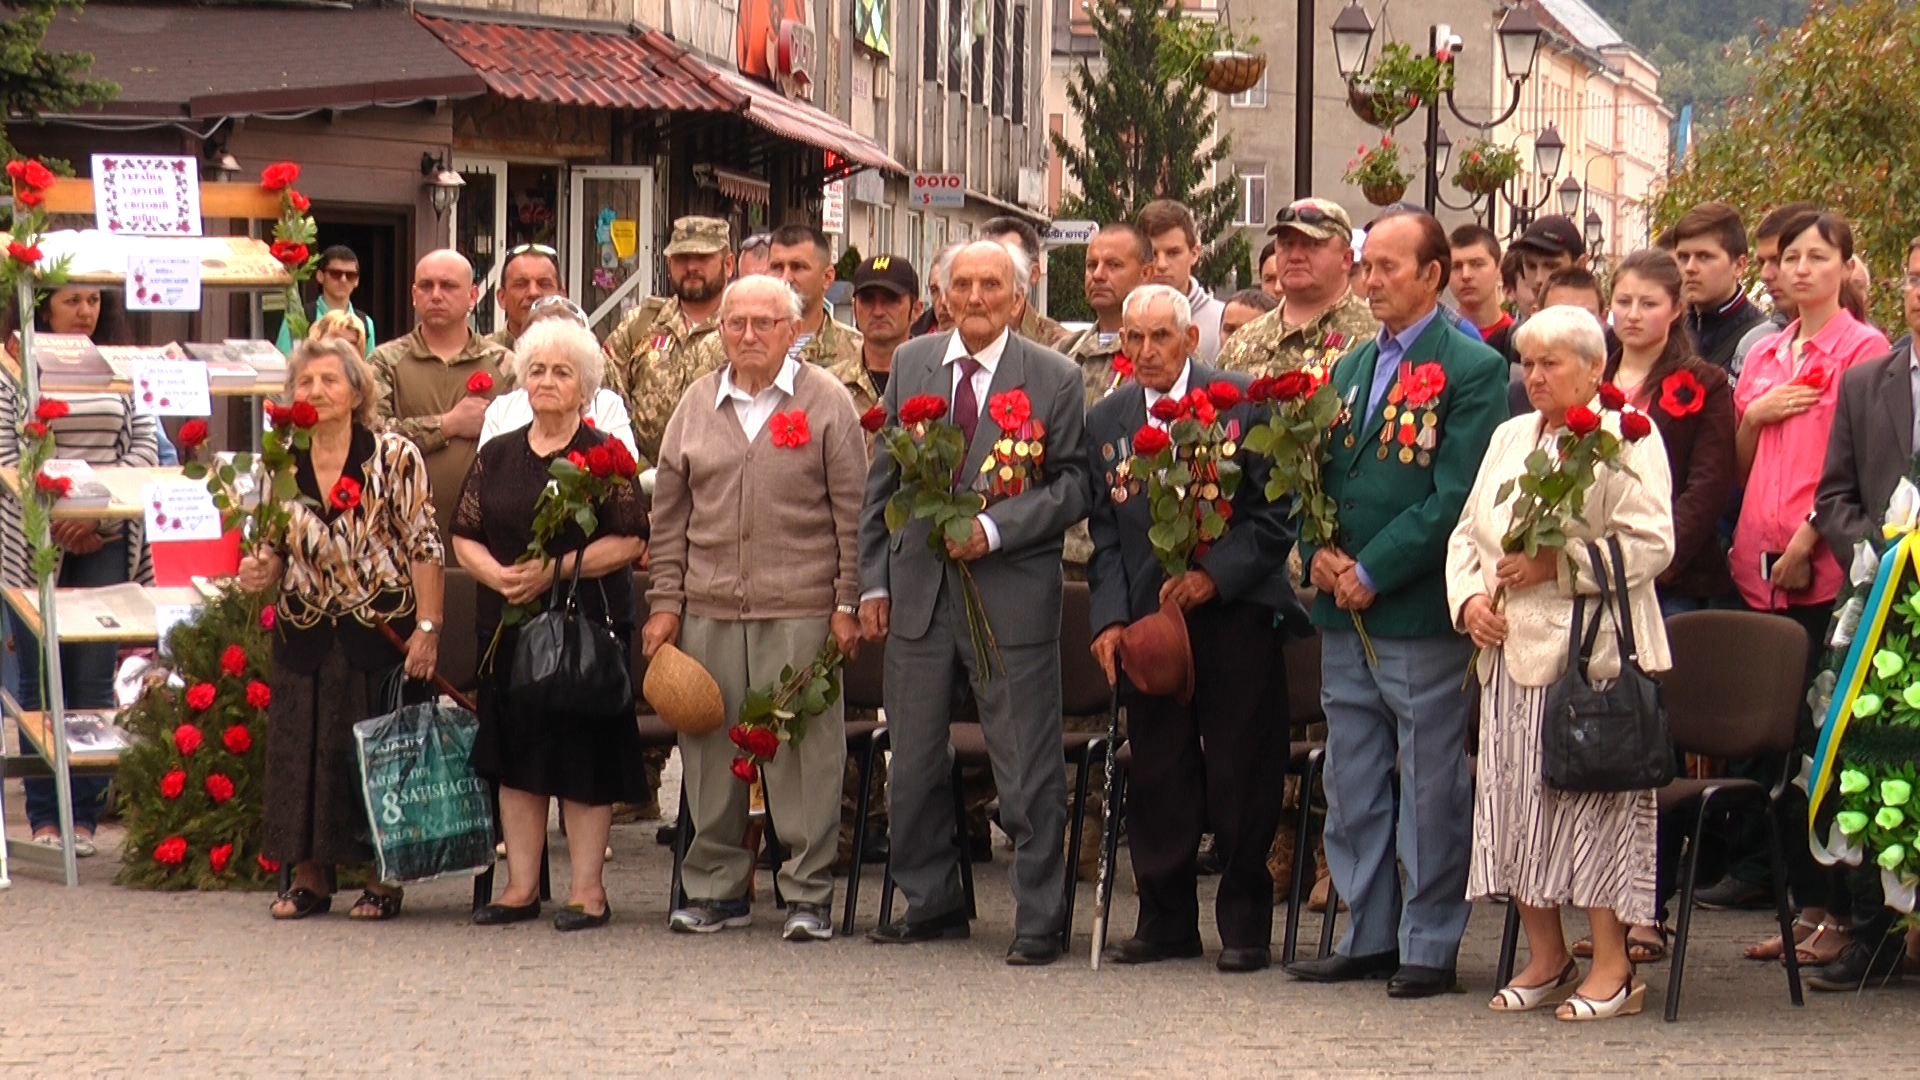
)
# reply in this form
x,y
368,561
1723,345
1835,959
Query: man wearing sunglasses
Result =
x,y
531,273
1319,317
669,341
339,275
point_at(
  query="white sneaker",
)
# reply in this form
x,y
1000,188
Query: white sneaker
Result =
x,y
808,922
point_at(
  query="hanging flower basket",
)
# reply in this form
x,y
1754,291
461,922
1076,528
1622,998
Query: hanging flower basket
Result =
x,y
1232,72
1485,167
1377,172
1383,194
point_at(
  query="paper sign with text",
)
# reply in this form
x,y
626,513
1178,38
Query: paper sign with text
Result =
x,y
171,388
146,195
163,283
180,510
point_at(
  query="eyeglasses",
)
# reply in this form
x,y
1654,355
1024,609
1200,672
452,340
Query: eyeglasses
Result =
x,y
1306,215
537,249
762,326
756,242
1913,281
557,307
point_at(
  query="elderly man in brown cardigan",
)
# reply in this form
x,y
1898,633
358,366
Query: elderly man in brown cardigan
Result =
x,y
755,561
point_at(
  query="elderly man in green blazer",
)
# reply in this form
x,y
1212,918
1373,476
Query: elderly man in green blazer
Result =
x,y
1421,401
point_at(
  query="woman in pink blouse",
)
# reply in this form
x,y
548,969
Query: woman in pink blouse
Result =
x,y
1784,407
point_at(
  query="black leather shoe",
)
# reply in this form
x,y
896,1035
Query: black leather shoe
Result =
x,y
1860,965
575,917
1415,981
909,932
502,915
1034,951
1139,951
1337,968
1249,958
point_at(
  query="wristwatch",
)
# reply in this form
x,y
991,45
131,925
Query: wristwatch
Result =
x,y
427,626
846,609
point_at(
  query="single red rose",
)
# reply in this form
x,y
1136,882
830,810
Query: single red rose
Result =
x,y
279,176
744,770
35,175
1292,386
267,618
289,253
762,742
200,696
35,429
16,168
234,661
479,383
875,418
1612,397
577,459
1200,405
1681,394
1635,426
1150,440
345,494
1010,409
219,788
186,737
172,784
923,409
172,851
1426,383
600,462
259,696
1260,389
238,739
1225,395
737,735
219,856
303,414
51,409
790,429
28,197
56,486
623,464
279,415
271,866
1166,410
1582,421
298,201
192,434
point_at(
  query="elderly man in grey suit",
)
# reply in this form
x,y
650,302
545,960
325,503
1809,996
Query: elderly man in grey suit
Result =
x,y
912,597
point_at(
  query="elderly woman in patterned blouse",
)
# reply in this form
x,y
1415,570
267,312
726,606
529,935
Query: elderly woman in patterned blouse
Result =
x,y
361,551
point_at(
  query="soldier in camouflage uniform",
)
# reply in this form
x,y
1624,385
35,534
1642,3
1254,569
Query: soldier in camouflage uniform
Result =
x,y
669,341
1319,316
886,301
531,273
802,257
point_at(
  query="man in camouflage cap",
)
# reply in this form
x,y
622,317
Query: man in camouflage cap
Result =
x,y
669,341
1320,317
802,256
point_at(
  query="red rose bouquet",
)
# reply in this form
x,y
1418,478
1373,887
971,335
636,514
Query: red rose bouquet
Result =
x,y
579,483
927,453
265,522
1189,472
294,237
772,715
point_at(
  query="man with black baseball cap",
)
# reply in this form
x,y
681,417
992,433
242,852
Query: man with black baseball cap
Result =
x,y
1551,243
886,301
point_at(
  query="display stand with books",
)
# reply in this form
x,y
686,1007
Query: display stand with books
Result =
x,y
121,613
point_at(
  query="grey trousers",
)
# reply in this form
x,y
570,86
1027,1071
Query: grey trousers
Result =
x,y
1413,713
803,782
1020,714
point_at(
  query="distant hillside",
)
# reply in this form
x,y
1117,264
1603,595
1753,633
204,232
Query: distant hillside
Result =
x,y
1698,43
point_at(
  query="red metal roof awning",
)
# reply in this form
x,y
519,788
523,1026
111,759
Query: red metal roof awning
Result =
x,y
647,72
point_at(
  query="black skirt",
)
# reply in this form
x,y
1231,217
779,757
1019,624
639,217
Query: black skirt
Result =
x,y
594,760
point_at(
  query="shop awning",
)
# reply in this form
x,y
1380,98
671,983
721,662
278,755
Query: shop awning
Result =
x,y
646,71
204,62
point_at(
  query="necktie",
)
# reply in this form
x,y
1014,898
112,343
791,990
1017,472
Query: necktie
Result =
x,y
966,406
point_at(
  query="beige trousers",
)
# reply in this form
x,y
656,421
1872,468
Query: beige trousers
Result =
x,y
803,782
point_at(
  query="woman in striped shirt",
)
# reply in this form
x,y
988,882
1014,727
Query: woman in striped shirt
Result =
x,y
101,429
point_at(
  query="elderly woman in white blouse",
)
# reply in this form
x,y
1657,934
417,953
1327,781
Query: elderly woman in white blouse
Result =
x,y
1537,845
607,411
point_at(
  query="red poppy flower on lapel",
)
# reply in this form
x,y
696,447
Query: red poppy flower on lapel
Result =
x,y
790,429
1123,365
345,494
1010,409
1814,378
1425,384
1681,394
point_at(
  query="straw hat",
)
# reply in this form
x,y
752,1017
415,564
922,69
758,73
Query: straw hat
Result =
x,y
682,692
1156,654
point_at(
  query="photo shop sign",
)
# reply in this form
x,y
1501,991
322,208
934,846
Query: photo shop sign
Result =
x,y
146,195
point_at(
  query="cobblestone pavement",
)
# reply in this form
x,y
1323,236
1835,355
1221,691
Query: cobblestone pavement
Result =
x,y
105,981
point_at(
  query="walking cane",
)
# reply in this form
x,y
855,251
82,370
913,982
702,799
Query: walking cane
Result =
x,y
439,680
1104,887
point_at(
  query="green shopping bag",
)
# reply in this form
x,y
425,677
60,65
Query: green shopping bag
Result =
x,y
430,816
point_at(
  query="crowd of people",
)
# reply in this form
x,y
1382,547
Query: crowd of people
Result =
x,y
760,532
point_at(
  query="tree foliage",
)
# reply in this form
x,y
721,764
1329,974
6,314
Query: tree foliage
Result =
x,y
1832,109
1148,137
1699,45
33,81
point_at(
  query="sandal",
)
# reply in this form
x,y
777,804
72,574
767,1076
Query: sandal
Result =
x,y
1625,1001
1809,952
1774,949
1517,998
305,902
1640,952
383,905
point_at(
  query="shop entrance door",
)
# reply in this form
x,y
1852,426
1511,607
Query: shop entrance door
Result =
x,y
610,241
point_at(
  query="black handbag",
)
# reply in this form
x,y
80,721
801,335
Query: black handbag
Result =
x,y
1605,740
566,661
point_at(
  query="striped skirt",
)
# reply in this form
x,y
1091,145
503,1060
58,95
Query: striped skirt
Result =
x,y
1546,847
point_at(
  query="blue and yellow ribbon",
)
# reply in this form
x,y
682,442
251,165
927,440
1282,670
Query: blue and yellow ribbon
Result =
x,y
1859,664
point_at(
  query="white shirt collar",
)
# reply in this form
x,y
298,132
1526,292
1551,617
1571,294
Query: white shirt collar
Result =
x,y
783,382
1179,386
989,357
